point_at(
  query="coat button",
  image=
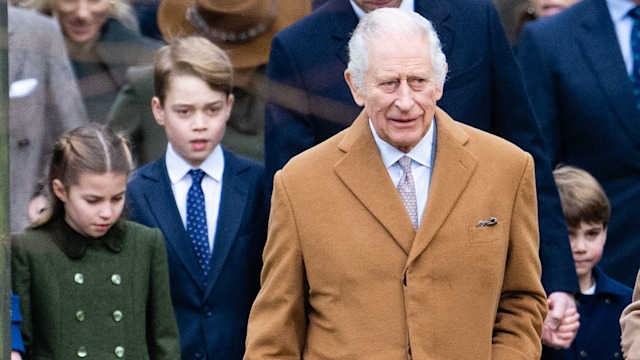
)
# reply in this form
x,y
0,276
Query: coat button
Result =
x,y
119,351
78,278
117,315
616,355
116,279
607,301
82,352
583,354
23,143
80,315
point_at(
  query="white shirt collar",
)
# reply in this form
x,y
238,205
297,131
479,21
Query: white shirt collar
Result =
x,y
421,153
178,168
619,9
406,5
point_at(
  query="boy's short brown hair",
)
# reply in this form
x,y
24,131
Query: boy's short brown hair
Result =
x,y
583,198
194,56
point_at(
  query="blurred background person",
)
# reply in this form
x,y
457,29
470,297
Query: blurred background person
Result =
x,y
103,41
44,103
244,29
582,72
535,9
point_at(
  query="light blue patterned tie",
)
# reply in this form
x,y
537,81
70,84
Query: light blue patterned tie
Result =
x,y
197,223
635,50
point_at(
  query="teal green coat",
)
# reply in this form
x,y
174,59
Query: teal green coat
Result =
x,y
94,298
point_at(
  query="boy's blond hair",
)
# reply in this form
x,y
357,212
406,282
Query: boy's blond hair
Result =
x,y
194,56
583,198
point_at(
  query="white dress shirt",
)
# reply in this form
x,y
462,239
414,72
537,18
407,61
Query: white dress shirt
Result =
x,y
178,170
421,164
622,22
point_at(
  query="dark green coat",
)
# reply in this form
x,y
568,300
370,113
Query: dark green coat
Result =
x,y
94,298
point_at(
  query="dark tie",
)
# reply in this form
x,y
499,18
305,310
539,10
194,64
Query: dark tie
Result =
x,y
635,50
197,223
407,190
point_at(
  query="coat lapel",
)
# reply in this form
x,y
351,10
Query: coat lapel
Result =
x,y
453,167
439,14
162,205
233,201
595,38
344,21
362,171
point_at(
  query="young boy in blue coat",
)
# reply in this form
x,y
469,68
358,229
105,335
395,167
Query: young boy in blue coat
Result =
x,y
602,299
209,203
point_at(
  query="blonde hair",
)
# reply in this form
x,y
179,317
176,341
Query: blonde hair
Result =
x,y
195,56
120,10
92,148
583,198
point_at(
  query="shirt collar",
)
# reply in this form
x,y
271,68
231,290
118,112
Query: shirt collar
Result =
x,y
406,5
421,153
178,168
619,9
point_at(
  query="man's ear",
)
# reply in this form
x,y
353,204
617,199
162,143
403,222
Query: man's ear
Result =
x,y
355,92
158,110
59,190
230,101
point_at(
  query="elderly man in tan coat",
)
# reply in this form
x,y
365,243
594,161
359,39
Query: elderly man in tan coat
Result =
x,y
408,235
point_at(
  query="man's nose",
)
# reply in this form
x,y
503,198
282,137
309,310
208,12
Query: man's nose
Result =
x,y
404,101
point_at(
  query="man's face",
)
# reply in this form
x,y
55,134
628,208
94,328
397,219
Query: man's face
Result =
x,y
370,5
399,93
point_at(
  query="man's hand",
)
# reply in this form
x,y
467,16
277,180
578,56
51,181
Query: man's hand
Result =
x,y
562,322
16,355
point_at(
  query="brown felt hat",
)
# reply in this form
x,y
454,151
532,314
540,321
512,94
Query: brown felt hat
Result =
x,y
243,28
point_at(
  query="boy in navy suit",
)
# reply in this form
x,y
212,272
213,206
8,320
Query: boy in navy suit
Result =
x,y
209,203
602,299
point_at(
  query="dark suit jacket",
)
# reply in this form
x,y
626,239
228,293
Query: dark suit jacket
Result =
x,y
484,89
212,321
583,99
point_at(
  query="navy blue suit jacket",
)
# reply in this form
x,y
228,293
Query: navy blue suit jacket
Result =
x,y
212,321
583,99
310,100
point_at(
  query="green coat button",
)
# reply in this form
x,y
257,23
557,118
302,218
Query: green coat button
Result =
x,y
119,351
80,315
115,279
78,278
117,315
82,352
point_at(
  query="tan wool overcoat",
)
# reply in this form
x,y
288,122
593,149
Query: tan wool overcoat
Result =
x,y
347,277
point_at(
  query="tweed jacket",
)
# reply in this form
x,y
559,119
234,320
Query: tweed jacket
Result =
x,y
95,298
346,276
37,115
100,80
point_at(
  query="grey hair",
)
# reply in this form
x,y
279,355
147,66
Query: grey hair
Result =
x,y
387,21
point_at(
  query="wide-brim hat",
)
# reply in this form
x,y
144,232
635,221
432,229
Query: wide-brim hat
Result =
x,y
244,28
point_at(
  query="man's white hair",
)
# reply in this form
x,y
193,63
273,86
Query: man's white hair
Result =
x,y
392,21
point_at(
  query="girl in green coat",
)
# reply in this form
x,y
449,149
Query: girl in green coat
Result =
x,y
92,285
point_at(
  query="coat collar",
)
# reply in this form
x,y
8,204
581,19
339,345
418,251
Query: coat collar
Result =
x,y
361,170
595,37
606,285
75,245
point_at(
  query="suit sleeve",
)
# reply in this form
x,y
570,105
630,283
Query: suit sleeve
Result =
x,y
277,324
288,127
630,325
124,116
522,307
162,329
518,123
